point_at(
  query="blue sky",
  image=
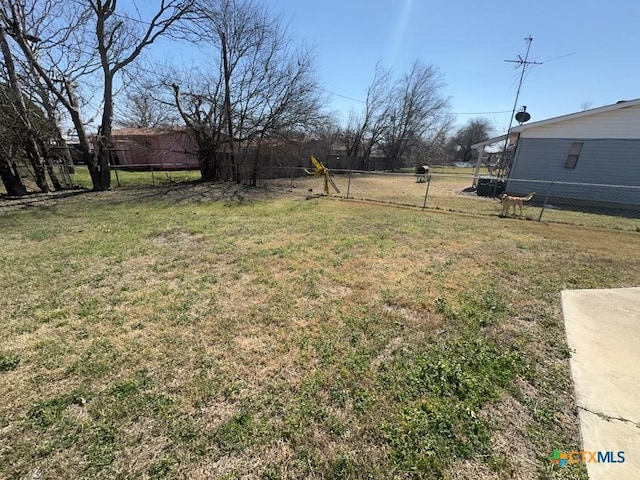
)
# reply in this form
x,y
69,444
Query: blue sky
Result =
x,y
468,42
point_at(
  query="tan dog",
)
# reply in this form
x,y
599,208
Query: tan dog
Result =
x,y
509,201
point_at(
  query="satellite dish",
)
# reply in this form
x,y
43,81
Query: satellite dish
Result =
x,y
523,117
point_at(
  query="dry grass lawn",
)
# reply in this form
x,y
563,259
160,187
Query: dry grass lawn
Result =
x,y
446,192
213,331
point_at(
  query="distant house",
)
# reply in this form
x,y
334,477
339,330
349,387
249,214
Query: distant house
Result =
x,y
598,146
158,148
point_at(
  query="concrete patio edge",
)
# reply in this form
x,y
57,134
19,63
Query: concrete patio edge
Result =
x,y
603,333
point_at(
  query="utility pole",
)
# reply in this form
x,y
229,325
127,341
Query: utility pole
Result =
x,y
524,63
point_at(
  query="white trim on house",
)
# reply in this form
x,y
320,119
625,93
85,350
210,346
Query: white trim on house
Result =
x,y
620,120
623,125
594,111
486,143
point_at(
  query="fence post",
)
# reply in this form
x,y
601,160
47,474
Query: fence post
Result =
x,y
546,199
66,173
348,184
291,178
426,192
153,180
117,177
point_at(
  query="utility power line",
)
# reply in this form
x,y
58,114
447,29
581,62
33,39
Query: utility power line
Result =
x,y
479,113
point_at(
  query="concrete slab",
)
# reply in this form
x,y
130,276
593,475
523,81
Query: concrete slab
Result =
x,y
603,332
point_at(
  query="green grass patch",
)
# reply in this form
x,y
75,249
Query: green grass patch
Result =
x,y
9,361
444,384
131,179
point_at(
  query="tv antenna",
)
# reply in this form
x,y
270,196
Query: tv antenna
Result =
x,y
524,63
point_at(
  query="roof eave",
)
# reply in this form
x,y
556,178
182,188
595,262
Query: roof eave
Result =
x,y
572,116
489,141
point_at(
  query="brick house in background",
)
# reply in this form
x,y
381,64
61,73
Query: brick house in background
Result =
x,y
168,148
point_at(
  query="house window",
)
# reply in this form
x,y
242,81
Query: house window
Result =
x,y
574,153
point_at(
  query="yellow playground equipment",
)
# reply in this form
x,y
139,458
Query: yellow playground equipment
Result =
x,y
321,170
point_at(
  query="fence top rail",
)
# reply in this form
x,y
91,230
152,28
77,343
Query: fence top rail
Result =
x,y
367,172
179,166
471,177
150,166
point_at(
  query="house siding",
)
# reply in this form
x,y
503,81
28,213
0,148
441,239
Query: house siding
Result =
x,y
163,150
615,162
620,123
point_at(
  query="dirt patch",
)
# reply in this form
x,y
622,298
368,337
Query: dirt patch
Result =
x,y
470,470
144,447
509,440
175,236
246,466
388,352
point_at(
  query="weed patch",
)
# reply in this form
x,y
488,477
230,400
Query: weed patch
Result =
x,y
444,384
9,361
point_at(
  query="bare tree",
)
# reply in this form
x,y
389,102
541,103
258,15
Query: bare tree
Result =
x,y
10,146
52,143
476,130
434,148
259,87
364,130
586,105
54,37
323,137
145,108
51,36
402,117
201,109
120,41
351,135
23,117
416,108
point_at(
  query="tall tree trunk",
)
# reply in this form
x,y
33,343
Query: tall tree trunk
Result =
x,y
88,156
94,171
103,167
104,136
227,106
52,175
11,179
18,103
208,169
60,151
104,10
253,181
47,155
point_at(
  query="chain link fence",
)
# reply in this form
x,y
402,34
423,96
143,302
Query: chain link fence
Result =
x,y
588,204
61,171
121,176
443,188
140,176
